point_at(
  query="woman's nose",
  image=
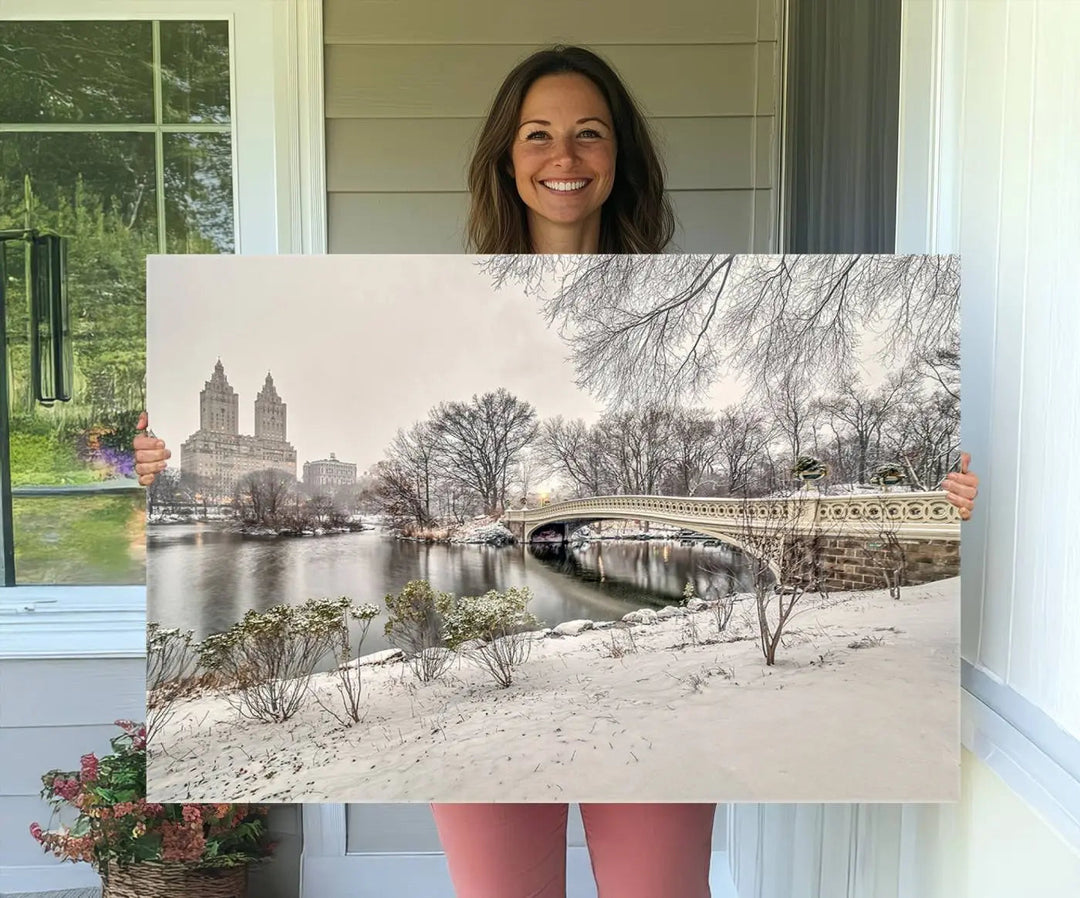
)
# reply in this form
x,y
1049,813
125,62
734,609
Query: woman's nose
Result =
x,y
564,150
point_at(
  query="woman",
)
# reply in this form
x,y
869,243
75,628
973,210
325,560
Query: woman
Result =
x,y
565,164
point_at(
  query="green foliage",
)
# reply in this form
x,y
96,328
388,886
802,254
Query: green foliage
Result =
x,y
488,617
116,826
271,655
415,607
80,539
415,626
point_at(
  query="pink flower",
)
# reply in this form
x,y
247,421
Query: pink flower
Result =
x,y
65,788
192,813
36,831
181,843
89,768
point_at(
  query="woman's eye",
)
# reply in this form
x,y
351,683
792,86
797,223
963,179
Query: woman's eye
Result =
x,y
536,135
589,132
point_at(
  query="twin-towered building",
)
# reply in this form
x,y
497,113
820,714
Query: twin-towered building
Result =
x,y
218,455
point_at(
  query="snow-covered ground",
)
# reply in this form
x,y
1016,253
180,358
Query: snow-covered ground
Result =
x,y
862,705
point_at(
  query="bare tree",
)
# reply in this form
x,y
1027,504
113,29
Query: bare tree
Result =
x,y
405,481
695,445
743,438
925,437
638,443
789,397
574,451
348,669
785,553
166,492
479,441
886,552
863,414
665,326
266,498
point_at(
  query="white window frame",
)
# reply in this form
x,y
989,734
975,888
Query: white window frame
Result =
x,y
279,181
1036,757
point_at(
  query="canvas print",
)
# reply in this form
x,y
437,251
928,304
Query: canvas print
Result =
x,y
553,528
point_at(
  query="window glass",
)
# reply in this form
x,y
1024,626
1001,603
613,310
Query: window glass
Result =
x,y
115,135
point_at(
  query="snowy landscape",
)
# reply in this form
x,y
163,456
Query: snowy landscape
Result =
x,y
864,705
616,528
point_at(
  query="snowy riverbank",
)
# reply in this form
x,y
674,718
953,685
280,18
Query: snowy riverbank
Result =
x,y
862,705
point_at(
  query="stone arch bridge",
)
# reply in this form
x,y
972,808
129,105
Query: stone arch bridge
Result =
x,y
849,541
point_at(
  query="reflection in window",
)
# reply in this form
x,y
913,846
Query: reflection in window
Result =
x,y
118,136
83,539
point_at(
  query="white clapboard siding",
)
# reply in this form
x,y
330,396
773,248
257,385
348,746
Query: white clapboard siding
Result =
x,y
406,92
407,81
71,692
814,850
53,711
502,22
395,155
708,221
1009,203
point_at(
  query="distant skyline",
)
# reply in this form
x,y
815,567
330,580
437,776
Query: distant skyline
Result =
x,y
358,346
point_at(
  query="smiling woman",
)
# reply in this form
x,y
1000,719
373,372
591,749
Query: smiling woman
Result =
x,y
565,163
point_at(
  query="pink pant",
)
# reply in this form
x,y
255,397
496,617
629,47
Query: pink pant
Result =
x,y
519,850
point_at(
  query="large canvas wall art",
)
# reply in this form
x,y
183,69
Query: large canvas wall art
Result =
x,y
554,528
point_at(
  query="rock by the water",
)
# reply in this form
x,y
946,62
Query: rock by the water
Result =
x,y
573,627
668,611
695,604
641,616
383,657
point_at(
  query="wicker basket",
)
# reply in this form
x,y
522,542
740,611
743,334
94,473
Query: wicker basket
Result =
x,y
154,879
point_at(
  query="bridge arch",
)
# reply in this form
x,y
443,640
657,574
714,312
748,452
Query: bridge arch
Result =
x,y
569,523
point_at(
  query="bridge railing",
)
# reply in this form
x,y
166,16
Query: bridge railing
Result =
x,y
927,514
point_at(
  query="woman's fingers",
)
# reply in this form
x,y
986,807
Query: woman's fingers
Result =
x,y
966,489
149,467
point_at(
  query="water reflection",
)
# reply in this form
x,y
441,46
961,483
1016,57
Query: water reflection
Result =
x,y
204,578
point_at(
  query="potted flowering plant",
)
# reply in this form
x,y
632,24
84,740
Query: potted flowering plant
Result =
x,y
141,848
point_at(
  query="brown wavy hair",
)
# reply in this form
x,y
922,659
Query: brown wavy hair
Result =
x,y
636,218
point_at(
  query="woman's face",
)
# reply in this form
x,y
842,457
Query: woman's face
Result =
x,y
563,154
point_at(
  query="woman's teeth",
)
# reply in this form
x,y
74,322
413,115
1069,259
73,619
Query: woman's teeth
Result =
x,y
564,186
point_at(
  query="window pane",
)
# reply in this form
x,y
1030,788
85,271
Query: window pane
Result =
x,y
195,71
198,193
99,72
84,539
99,191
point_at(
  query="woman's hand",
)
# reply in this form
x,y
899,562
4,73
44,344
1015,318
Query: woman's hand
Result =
x,y
962,487
150,453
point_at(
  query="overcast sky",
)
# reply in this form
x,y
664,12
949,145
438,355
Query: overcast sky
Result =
x,y
358,345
